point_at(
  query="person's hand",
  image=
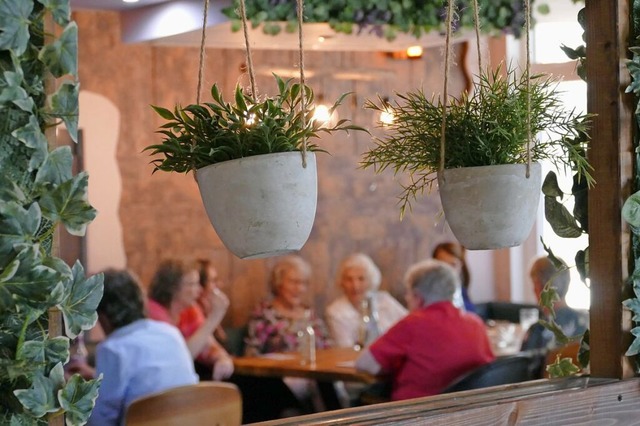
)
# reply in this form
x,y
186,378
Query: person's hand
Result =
x,y
219,303
223,368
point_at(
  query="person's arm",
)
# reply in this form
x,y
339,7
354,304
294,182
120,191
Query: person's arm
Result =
x,y
340,327
367,363
109,408
221,360
202,338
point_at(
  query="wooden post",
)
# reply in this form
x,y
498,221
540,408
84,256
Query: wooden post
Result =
x,y
611,156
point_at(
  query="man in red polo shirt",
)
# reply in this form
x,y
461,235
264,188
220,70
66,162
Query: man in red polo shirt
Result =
x,y
435,343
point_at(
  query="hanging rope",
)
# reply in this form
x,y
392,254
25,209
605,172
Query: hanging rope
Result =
x,y
245,28
476,21
445,95
203,38
303,107
527,76
447,66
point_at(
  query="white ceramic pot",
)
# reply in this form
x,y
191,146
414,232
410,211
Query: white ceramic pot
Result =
x,y
490,207
263,205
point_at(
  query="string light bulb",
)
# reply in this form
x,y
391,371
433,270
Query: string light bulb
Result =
x,y
322,113
387,117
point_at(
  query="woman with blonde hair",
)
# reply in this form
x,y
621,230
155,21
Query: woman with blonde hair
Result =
x,y
359,279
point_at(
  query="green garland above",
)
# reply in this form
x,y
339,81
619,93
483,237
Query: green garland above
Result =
x,y
383,17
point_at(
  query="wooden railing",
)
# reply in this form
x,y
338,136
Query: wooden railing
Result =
x,y
581,400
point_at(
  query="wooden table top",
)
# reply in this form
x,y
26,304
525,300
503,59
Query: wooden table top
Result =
x,y
331,365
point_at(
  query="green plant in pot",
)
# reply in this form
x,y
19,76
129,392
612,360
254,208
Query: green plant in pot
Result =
x,y
251,151
486,128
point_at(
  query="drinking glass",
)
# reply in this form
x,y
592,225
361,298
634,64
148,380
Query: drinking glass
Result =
x,y
528,317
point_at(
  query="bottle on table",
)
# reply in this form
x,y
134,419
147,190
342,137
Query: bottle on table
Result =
x,y
307,340
368,330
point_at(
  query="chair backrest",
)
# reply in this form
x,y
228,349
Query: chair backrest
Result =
x,y
502,371
205,403
502,311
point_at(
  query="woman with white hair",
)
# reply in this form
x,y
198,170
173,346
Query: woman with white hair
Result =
x,y
433,345
359,278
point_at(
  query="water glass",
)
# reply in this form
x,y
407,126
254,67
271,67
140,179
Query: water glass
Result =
x,y
528,317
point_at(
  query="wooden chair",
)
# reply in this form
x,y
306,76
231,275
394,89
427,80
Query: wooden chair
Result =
x,y
205,403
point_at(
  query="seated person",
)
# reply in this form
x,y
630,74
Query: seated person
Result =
x,y
359,278
433,345
572,322
139,356
174,288
274,324
454,254
194,316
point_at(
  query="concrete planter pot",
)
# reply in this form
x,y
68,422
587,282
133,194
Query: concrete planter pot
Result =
x,y
490,207
263,205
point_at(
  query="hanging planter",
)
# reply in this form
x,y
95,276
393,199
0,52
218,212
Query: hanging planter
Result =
x,y
263,205
492,206
490,131
254,165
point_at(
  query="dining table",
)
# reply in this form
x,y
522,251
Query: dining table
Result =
x,y
331,365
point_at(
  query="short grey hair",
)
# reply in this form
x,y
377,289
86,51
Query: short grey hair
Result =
x,y
361,260
545,270
433,280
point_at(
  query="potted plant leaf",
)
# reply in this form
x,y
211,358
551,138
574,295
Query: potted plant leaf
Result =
x,y
482,148
253,160
248,160
486,136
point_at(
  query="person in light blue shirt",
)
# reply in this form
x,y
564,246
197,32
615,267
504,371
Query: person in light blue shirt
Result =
x,y
139,356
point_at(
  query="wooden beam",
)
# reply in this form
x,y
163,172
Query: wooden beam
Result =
x,y
610,153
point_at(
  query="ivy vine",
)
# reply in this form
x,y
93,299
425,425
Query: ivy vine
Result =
x,y
385,18
38,192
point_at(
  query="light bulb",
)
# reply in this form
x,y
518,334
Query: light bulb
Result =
x,y
414,51
386,117
321,114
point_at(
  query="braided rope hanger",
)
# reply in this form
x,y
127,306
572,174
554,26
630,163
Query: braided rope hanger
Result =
x,y
476,18
250,68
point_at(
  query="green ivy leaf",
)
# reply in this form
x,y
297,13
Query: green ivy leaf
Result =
x,y
61,56
59,9
562,368
582,263
631,210
64,104
79,308
78,398
634,348
41,399
68,204
561,221
634,306
550,186
14,93
54,351
14,21
17,225
32,281
56,168
584,352
22,420
32,136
